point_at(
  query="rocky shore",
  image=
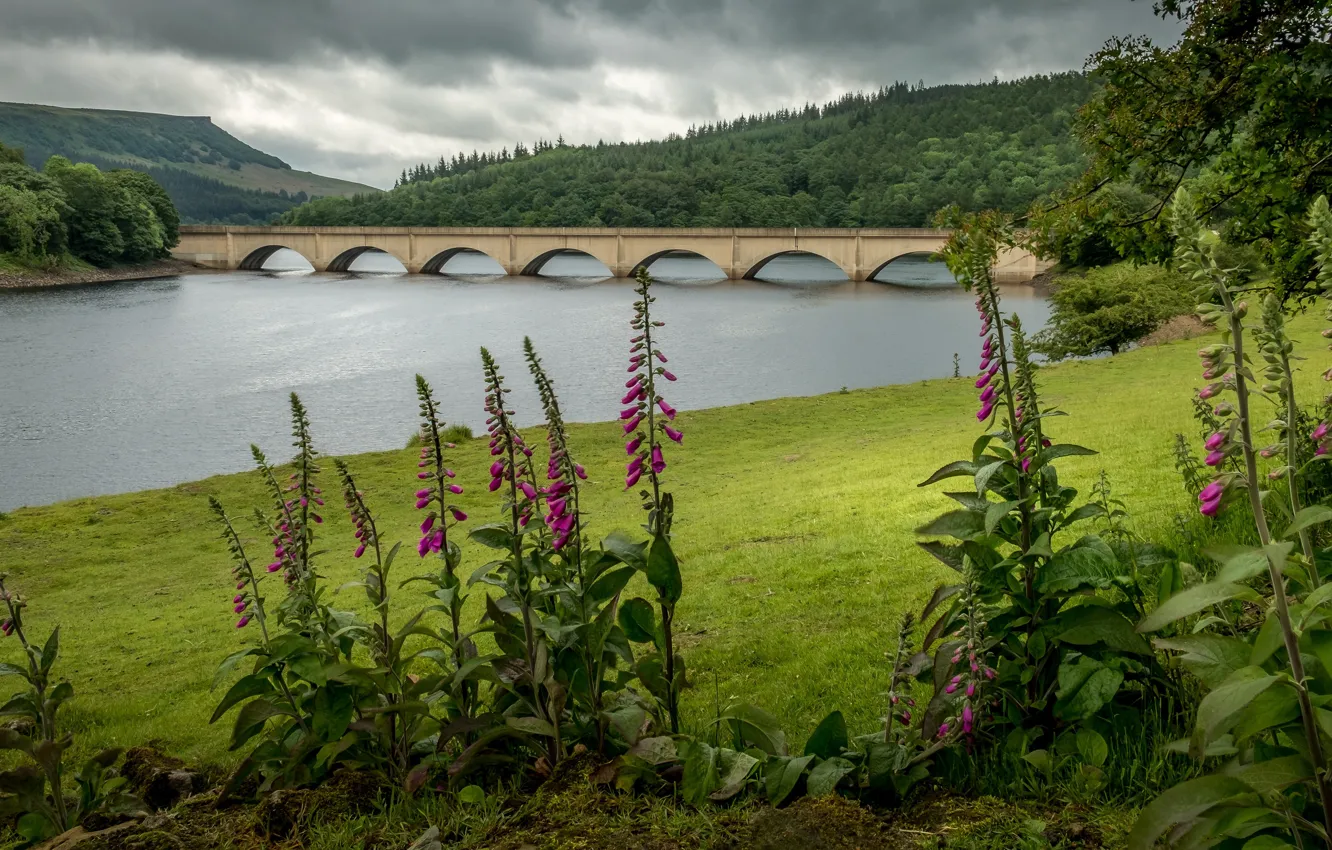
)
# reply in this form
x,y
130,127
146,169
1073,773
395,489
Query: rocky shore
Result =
x,y
35,279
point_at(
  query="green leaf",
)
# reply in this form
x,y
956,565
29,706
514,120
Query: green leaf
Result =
x,y
830,738
1267,842
532,726
493,537
629,551
960,524
663,571
1085,686
1170,582
1092,624
1087,563
952,470
1221,707
986,473
734,769
1211,658
609,583
996,512
1320,640
229,663
50,651
638,619
1181,805
757,728
333,712
251,719
781,775
472,795
1275,774
1240,565
1308,518
36,826
700,771
655,751
1092,747
252,685
1194,599
1065,450
826,774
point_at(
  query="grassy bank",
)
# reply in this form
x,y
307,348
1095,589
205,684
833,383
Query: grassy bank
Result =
x,y
794,520
16,273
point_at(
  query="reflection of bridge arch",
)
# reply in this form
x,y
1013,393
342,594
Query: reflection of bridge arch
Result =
x,y
757,268
436,264
254,261
534,266
647,261
343,262
874,275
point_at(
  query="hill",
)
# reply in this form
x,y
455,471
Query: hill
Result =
x,y
210,175
890,158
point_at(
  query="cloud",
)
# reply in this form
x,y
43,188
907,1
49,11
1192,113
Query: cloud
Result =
x,y
360,89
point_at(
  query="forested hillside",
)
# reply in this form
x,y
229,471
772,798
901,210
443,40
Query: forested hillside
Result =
x,y
887,159
210,175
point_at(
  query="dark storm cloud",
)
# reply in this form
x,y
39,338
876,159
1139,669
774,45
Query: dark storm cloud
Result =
x,y
366,86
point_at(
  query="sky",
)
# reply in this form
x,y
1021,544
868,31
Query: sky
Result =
x,y
360,89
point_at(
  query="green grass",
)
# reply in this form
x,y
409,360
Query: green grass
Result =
x,y
794,523
12,264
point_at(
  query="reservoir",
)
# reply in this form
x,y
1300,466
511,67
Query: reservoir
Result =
x,y
143,384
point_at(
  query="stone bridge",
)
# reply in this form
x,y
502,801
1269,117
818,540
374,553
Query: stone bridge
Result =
x,y
740,253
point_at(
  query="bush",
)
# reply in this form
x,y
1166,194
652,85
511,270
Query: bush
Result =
x,y
1109,309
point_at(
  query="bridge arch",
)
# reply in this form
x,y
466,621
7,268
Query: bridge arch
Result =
x,y
683,253
435,265
537,263
254,261
343,262
919,257
757,268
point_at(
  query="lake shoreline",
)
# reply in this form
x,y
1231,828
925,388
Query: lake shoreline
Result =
x,y
35,279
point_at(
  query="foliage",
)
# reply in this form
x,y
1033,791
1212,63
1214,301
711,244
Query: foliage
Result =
x,y
1239,107
1269,684
104,218
1059,617
1107,309
33,794
890,158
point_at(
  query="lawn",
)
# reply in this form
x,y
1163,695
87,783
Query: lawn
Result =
x,y
794,522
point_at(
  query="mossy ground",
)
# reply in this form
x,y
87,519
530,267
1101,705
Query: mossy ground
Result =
x,y
794,523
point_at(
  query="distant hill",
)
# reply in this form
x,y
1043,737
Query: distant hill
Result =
x,y
210,175
888,158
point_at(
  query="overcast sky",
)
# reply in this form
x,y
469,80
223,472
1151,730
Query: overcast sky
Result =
x,y
361,88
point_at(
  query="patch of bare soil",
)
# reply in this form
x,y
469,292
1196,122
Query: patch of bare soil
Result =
x,y
1187,326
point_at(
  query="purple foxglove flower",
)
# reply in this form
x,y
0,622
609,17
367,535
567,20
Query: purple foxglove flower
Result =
x,y
360,550
449,473
984,413
274,567
1321,450
528,490
983,380
458,515
675,435
631,447
240,624
1216,441
1209,391
665,373
456,489
632,424
658,462
557,507
424,494
423,475
1026,464
1210,509
635,463
987,394
629,413
951,689
1214,458
495,484
240,607
634,380
967,718
632,478
660,356
1212,492
239,597
427,524
943,730
634,394
424,546
421,503
565,523
580,471
666,408
971,689
1320,432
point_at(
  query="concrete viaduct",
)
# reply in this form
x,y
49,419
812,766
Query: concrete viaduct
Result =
x,y
740,253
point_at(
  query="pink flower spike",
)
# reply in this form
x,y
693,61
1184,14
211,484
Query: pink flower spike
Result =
x,y
943,730
951,689
428,523
660,356
983,380
360,550
968,717
1214,458
495,484
632,424
658,462
1212,492
1216,441
239,597
423,475
1320,432
421,503
456,489
580,471
971,689
629,413
666,408
423,494
528,490
423,547
240,624
673,434
274,567
665,373
631,447
632,478
458,515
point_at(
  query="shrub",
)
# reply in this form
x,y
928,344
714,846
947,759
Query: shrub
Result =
x,y
1108,309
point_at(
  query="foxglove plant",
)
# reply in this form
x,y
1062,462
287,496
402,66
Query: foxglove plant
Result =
x,y
529,674
647,418
1265,708
1049,643
442,515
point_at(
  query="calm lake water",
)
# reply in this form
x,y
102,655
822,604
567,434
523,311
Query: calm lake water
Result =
x,y
145,384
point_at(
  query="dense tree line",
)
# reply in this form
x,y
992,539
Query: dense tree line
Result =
x,y
103,218
891,158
